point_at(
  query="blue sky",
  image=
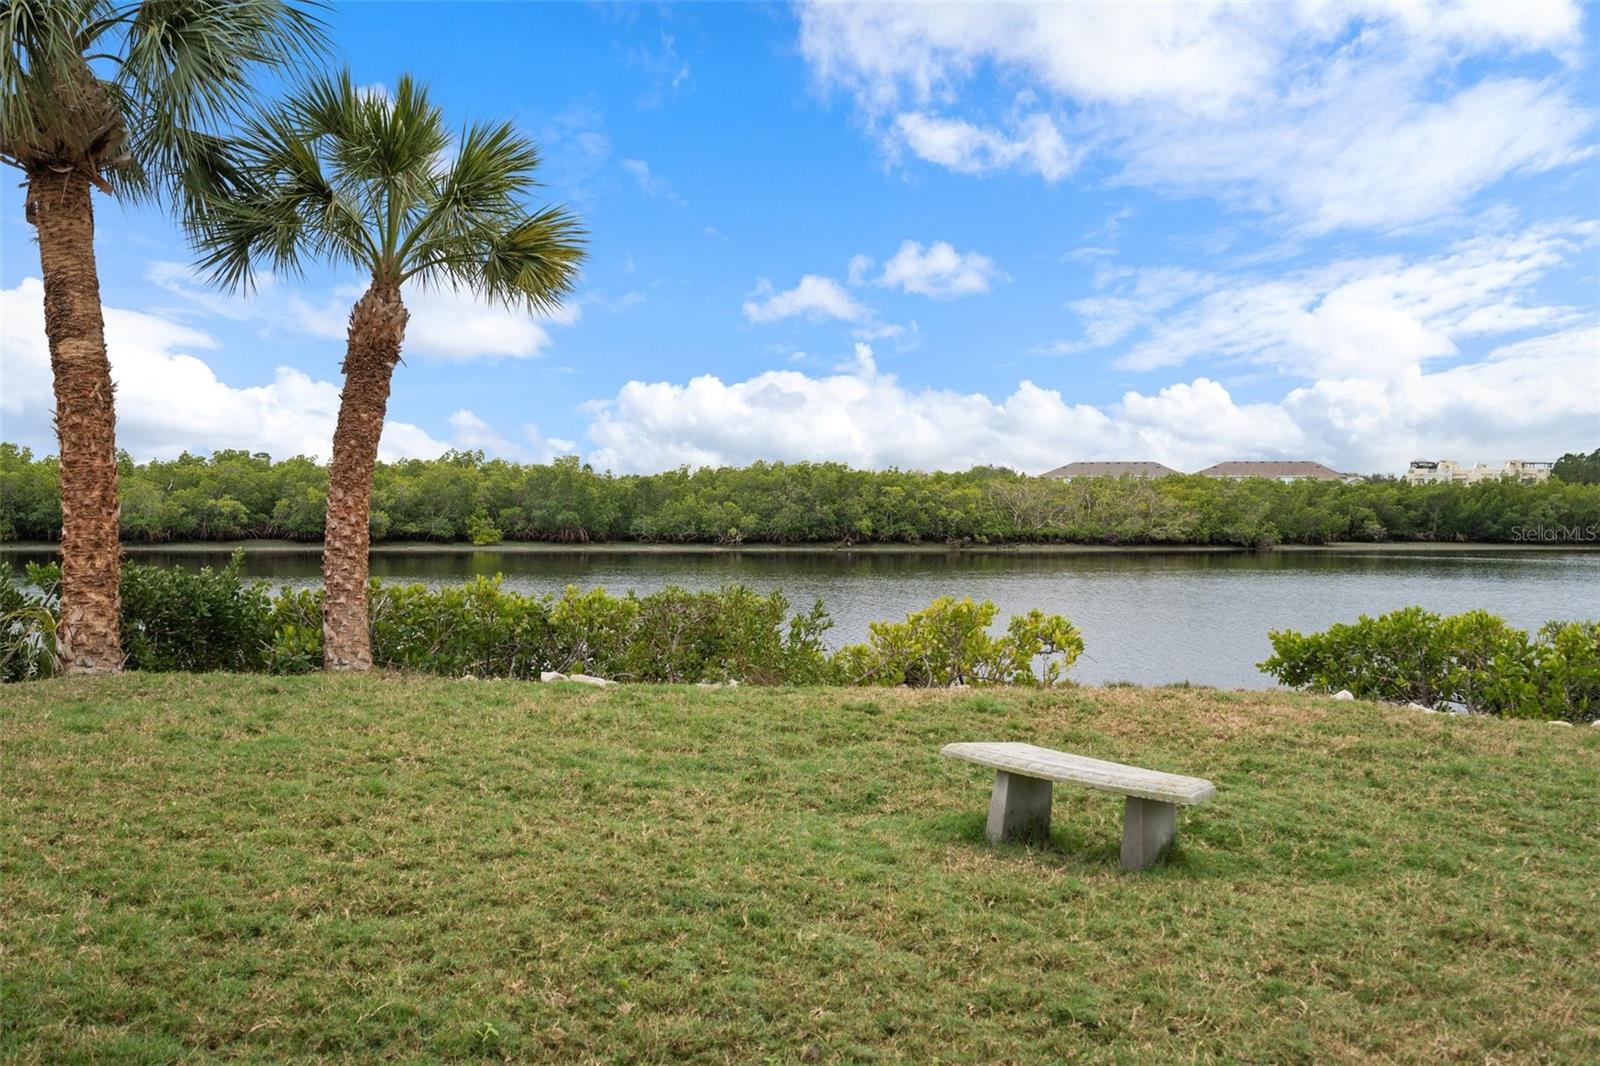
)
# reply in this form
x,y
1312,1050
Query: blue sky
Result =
x,y
933,236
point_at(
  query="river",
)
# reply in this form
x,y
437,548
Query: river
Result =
x,y
1148,617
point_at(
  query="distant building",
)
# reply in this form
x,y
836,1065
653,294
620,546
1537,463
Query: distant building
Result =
x,y
1115,469
1430,471
1277,471
1446,471
1528,469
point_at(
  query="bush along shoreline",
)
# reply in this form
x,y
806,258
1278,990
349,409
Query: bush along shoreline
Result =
x,y
214,619
1473,663
464,498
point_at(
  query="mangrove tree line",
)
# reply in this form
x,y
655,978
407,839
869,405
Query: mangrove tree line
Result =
x,y
463,497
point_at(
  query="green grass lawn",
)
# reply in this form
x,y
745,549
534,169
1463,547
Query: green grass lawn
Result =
x,y
352,869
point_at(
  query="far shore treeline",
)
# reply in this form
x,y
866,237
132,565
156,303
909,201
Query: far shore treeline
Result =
x,y
463,497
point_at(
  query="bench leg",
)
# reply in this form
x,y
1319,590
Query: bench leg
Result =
x,y
1148,826
1019,809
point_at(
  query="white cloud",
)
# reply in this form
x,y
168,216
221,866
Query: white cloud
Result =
x,y
1377,316
1202,56
855,415
1332,115
445,325
474,434
1033,144
455,326
577,152
814,297
940,271
651,184
884,331
1534,399
937,271
1190,421
1368,154
1531,398
1501,406
169,400
1138,298
861,416
1554,27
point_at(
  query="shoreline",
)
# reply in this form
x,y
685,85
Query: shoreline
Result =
x,y
631,548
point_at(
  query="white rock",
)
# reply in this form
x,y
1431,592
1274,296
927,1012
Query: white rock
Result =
x,y
1595,723
586,679
733,683
708,684
552,675
1420,707
1557,721
1344,694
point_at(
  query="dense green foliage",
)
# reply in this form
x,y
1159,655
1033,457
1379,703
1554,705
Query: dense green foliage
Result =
x,y
214,619
1472,660
948,643
463,497
1578,469
27,628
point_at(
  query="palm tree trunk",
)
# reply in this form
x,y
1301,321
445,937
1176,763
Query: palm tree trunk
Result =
x,y
377,326
89,638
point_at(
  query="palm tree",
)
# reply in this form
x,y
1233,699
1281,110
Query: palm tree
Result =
x,y
359,177
127,98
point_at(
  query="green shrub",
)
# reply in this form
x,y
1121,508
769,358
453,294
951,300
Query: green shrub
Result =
x,y
27,623
729,634
477,629
480,530
1395,657
214,620
209,619
1474,661
294,644
1489,665
948,643
1567,671
172,619
590,628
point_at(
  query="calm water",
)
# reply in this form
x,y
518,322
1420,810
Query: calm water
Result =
x,y
1146,617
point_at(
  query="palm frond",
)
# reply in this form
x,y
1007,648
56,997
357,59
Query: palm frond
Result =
x,y
139,92
367,176
50,99
189,64
279,207
535,263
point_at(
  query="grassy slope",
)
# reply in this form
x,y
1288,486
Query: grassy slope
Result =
x,y
354,868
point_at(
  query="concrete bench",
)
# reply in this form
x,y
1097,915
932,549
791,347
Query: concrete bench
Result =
x,y
1024,775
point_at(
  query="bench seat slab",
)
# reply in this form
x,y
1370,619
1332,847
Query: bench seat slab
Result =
x,y
1029,760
